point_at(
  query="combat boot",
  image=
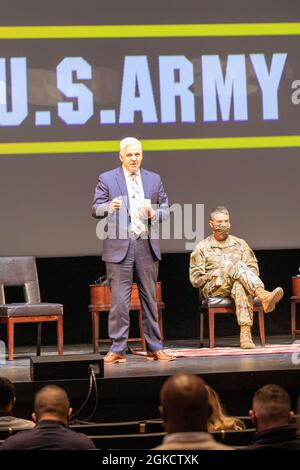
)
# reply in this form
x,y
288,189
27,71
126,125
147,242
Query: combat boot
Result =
x,y
269,299
246,338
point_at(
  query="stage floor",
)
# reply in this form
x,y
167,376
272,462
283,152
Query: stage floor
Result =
x,y
18,370
130,390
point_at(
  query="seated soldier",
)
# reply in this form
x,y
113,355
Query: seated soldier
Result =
x,y
225,266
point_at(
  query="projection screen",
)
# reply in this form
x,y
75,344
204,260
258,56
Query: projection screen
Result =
x,y
212,93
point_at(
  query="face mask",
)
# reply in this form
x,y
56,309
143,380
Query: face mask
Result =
x,y
221,229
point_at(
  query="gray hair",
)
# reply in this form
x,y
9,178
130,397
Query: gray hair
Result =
x,y
219,210
128,141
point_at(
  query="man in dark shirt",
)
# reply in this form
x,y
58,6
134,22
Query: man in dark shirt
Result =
x,y
52,413
272,415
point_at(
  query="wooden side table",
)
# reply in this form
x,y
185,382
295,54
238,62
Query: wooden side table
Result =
x,y
100,302
295,299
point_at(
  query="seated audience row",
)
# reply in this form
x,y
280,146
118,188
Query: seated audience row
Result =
x,y
189,408
51,416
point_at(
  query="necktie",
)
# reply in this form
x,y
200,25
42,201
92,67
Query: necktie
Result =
x,y
137,225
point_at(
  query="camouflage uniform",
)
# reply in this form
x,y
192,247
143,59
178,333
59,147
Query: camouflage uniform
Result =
x,y
239,279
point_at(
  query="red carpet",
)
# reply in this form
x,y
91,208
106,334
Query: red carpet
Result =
x,y
225,351
271,349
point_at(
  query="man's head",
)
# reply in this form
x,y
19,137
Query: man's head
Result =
x,y
131,154
271,407
184,404
52,403
7,395
219,222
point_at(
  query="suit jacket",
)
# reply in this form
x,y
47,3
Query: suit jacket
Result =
x,y
112,184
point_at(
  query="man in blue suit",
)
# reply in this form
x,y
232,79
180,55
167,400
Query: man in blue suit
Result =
x,y
125,197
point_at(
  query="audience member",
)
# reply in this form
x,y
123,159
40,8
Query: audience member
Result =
x,y
51,413
8,422
271,414
184,409
218,420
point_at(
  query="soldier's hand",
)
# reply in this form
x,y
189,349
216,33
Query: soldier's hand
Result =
x,y
214,273
226,264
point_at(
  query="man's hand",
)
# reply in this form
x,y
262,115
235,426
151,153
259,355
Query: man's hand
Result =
x,y
214,273
146,212
115,204
220,270
226,264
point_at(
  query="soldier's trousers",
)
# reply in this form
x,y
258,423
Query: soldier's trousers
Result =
x,y
240,283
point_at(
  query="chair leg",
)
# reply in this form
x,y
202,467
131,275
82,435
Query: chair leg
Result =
x,y
211,320
39,339
95,331
142,334
10,338
293,319
160,320
201,329
60,335
261,321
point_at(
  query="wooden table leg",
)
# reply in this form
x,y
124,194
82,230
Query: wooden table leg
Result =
x,y
95,331
293,319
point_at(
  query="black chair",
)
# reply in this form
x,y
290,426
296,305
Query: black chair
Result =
x,y
122,427
100,429
21,271
128,441
224,305
235,438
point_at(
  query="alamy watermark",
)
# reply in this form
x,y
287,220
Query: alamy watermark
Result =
x,y
177,222
2,353
295,358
